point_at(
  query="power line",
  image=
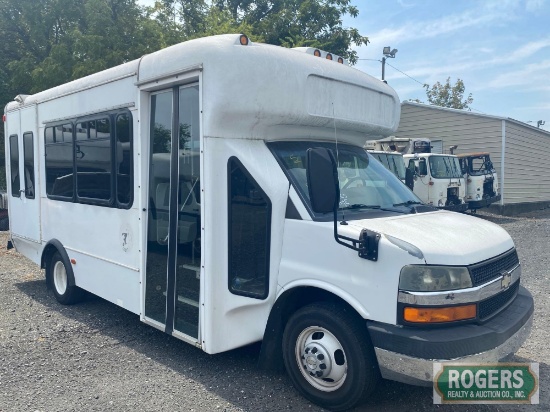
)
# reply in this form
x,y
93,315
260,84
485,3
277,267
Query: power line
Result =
x,y
402,72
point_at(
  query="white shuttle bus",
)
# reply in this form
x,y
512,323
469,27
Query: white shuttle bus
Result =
x,y
219,188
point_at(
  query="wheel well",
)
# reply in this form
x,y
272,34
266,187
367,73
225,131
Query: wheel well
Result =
x,y
47,254
271,355
51,248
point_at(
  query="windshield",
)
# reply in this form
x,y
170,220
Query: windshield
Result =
x,y
393,162
364,183
445,167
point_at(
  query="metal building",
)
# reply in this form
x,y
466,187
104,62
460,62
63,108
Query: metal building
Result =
x,y
520,152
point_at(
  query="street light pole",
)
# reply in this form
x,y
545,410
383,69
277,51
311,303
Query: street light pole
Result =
x,y
388,53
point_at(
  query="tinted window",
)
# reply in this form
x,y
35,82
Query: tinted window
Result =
x,y
249,234
94,164
59,161
101,154
28,149
124,174
14,166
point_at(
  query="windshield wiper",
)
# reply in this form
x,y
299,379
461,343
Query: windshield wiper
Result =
x,y
360,206
408,203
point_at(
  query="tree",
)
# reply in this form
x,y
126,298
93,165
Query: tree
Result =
x,y
294,23
445,95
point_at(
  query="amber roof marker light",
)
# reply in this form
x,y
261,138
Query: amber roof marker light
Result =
x,y
244,39
317,53
329,56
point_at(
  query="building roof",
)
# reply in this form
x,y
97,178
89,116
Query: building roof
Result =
x,y
469,113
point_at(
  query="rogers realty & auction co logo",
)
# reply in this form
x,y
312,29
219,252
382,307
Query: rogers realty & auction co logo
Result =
x,y
486,383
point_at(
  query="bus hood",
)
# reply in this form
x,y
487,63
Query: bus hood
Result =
x,y
445,238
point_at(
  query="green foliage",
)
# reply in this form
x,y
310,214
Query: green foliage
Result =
x,y
49,42
295,23
445,95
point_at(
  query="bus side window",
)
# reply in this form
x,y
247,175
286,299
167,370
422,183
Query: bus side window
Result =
x,y
14,166
28,150
249,234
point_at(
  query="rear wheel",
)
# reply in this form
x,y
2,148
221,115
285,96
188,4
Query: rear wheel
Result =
x,y
62,282
329,357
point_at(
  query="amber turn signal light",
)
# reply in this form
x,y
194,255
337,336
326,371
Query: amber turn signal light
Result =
x,y
244,39
438,315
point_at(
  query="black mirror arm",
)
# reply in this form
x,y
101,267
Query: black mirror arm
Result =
x,y
366,245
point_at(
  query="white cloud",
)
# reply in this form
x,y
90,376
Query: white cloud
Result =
x,y
432,71
413,31
532,75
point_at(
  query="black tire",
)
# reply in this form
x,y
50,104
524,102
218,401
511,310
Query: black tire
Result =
x,y
61,281
310,337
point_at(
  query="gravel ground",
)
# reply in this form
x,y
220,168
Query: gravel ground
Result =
x,y
96,356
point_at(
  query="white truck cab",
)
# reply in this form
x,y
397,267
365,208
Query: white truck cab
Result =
x,y
481,179
438,180
219,189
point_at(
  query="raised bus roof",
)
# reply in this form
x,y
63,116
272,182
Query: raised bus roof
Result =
x,y
261,91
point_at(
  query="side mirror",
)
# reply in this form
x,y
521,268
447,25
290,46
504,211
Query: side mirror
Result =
x,y
322,180
422,167
409,178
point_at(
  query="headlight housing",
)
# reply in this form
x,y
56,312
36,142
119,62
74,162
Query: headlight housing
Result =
x,y
421,278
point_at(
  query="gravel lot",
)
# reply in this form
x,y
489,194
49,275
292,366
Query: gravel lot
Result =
x,y
96,356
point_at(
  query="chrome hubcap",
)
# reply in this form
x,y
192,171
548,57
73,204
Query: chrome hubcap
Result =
x,y
321,359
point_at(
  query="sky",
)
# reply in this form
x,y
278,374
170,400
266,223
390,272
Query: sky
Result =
x,y
499,48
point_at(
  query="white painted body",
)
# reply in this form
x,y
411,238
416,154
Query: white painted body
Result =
x,y
243,106
474,186
430,189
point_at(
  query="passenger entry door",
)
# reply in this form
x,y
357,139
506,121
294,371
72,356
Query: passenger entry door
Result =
x,y
24,206
172,279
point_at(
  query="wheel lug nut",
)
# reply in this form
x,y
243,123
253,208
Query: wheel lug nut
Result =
x,y
314,350
320,356
322,366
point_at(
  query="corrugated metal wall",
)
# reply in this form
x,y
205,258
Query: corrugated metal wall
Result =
x,y
527,175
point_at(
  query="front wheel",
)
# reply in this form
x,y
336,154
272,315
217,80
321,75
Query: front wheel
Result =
x,y
329,357
62,282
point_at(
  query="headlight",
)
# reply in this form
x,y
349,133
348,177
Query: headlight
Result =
x,y
434,278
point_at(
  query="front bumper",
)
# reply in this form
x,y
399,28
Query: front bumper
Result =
x,y
407,354
478,204
455,208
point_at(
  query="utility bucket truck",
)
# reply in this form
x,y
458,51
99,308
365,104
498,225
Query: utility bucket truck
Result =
x,y
226,205
481,180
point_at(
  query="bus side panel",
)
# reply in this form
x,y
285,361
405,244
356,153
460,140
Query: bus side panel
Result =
x,y
112,282
225,312
104,241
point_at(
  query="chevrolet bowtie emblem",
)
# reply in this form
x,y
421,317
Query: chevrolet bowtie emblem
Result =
x,y
506,280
